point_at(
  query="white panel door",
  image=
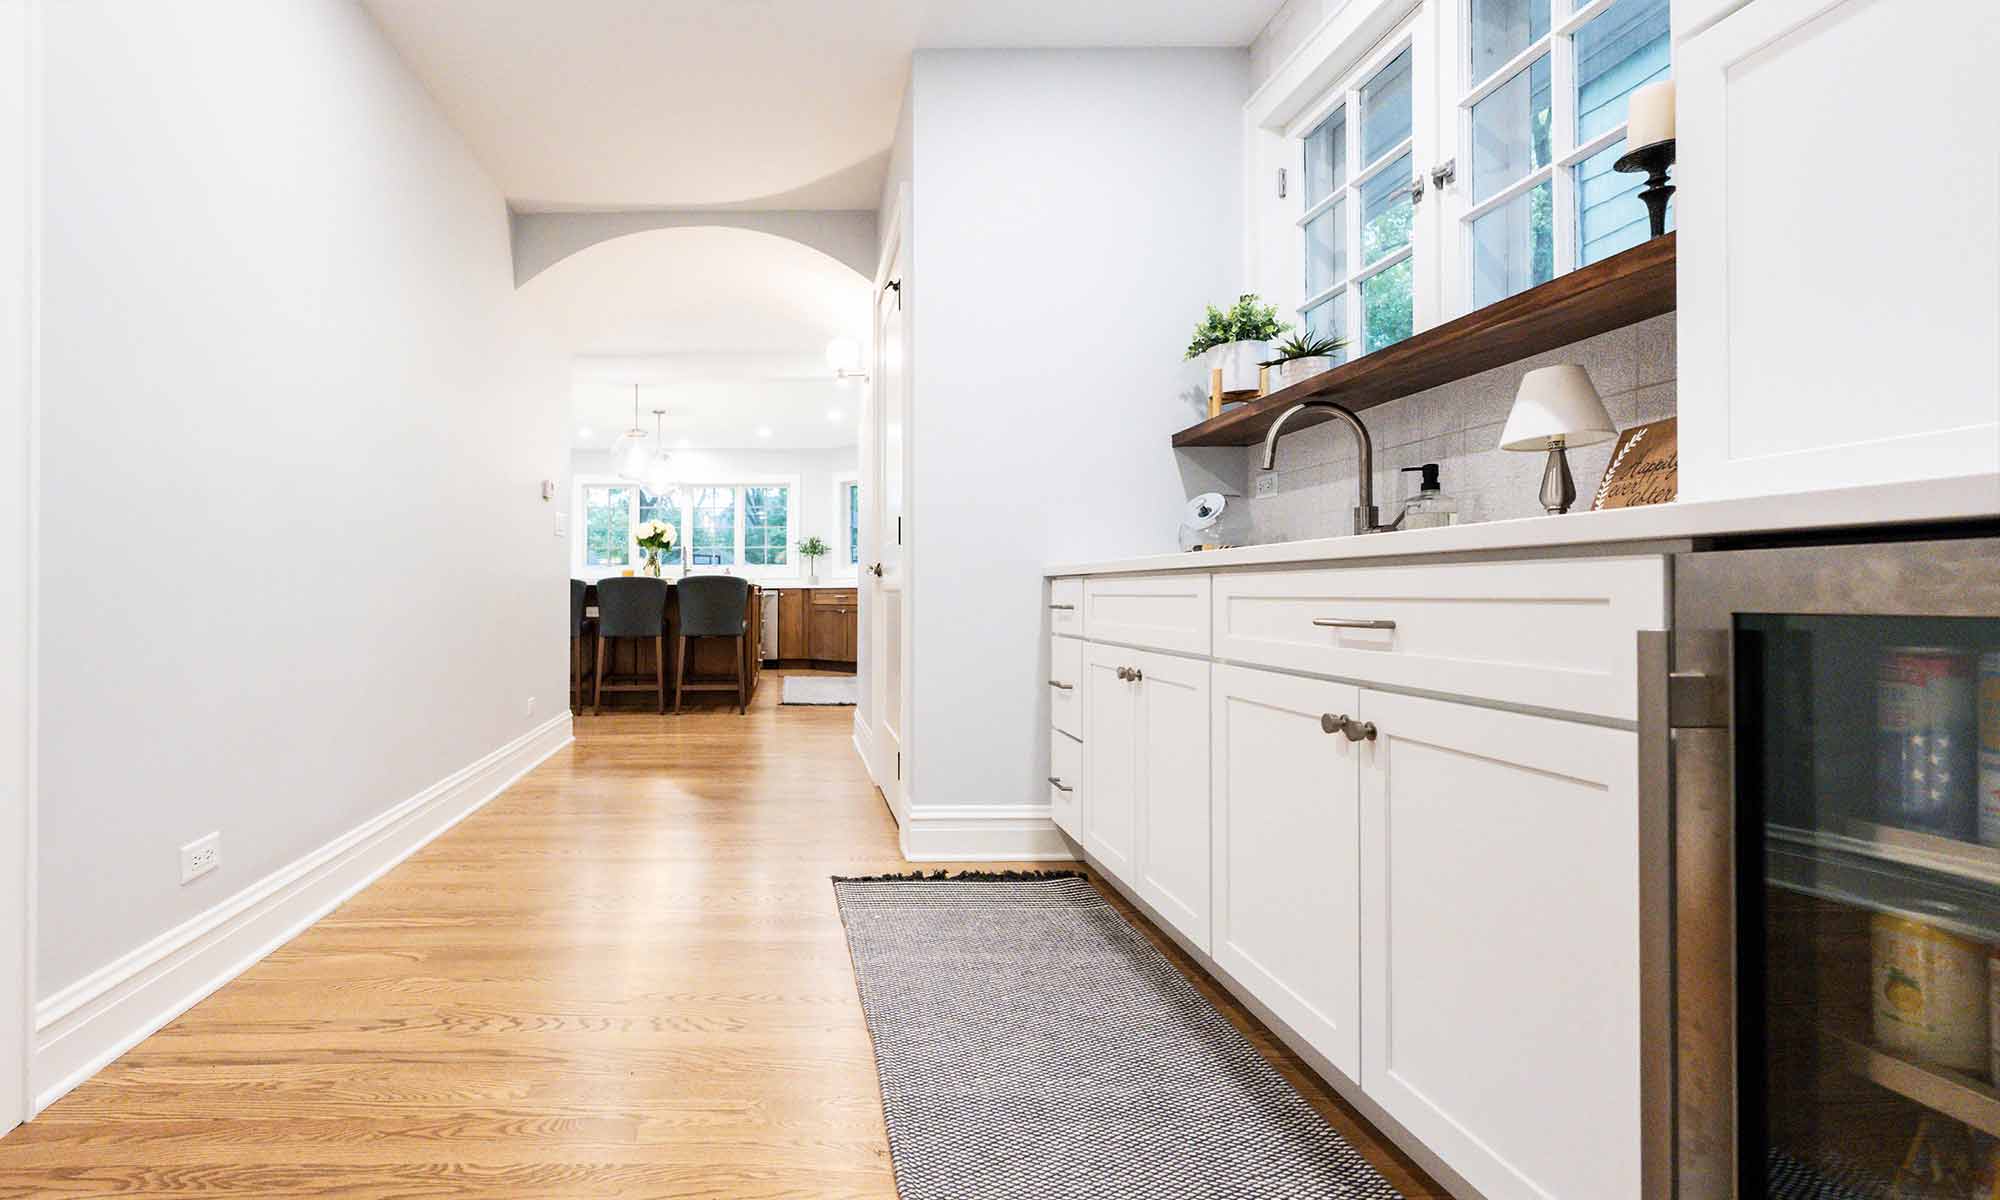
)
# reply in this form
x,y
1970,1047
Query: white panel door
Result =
x,y
1838,329
883,594
1111,758
1500,944
1173,811
1287,830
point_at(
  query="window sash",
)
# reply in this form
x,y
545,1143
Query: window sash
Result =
x,y
750,540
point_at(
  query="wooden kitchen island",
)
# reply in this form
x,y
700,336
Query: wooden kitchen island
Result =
x,y
633,660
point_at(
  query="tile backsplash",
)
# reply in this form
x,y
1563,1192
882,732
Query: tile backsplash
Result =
x,y
1458,427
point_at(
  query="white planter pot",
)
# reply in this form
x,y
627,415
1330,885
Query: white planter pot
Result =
x,y
1239,362
1292,371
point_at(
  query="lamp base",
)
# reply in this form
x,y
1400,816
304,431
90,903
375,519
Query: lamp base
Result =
x,y
1654,161
1558,485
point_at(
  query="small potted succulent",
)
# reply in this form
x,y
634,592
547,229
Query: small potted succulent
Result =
x,y
655,538
812,550
1237,340
1302,356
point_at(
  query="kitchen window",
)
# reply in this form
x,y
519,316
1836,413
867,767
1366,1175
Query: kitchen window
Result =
x,y
1541,119
1358,224
850,506
742,527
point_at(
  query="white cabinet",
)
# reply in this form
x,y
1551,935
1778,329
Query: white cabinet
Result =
x,y
1839,256
1145,769
1158,612
1500,949
1065,685
1066,783
1286,912
1111,758
1173,791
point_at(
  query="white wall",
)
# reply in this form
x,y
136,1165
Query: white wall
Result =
x,y
814,505
295,565
18,66
1074,212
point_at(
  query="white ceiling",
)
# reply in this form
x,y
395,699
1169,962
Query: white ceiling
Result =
x,y
619,104
725,329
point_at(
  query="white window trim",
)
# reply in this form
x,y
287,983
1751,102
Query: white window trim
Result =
x,y
792,568
841,564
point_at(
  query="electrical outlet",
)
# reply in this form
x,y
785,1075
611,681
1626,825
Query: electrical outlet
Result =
x,y
1267,483
200,856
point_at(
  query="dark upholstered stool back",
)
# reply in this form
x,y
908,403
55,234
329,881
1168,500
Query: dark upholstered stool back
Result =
x,y
631,606
577,589
713,605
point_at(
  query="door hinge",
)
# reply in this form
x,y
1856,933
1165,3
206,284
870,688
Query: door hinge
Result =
x,y
1281,183
899,531
896,286
899,765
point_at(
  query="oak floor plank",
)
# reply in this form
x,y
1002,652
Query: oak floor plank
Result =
x,y
624,977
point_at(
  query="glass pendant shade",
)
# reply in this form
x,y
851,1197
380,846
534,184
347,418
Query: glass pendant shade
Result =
x,y
630,450
658,472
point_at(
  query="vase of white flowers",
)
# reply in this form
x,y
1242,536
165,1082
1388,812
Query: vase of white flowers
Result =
x,y
655,538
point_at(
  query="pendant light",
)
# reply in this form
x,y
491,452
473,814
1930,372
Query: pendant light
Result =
x,y
659,473
628,452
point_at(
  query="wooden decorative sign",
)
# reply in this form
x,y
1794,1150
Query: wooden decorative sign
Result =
x,y
1645,468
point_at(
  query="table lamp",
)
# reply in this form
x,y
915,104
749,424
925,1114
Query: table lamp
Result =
x,y
1555,409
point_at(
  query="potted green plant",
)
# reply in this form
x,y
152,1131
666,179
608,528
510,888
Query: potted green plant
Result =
x,y
1237,340
812,550
1301,356
655,538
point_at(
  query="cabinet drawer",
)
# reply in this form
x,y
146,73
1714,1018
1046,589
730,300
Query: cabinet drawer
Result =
x,y
1066,783
834,596
1065,690
1556,635
1066,606
1158,612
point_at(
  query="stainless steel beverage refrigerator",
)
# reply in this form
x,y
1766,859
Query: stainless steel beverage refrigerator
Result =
x,y
1823,783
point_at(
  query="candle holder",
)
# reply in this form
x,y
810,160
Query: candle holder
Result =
x,y
1654,161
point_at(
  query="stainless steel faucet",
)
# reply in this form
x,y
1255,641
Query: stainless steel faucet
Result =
x,y
1367,518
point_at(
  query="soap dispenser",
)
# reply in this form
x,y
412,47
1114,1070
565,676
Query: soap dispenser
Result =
x,y
1431,509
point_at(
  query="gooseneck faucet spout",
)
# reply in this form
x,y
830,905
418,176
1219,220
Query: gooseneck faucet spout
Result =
x,y
1366,516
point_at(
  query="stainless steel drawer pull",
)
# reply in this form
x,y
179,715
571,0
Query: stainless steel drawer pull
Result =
x,y
1057,683
1351,623
1059,785
1063,607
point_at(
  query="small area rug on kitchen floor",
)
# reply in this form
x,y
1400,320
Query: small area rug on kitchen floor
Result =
x,y
819,689
1032,1045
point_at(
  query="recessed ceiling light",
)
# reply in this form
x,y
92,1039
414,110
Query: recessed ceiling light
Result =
x,y
583,432
763,431
833,414
683,443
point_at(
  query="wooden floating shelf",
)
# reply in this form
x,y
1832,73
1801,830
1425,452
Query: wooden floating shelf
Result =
x,y
1618,291
1939,1089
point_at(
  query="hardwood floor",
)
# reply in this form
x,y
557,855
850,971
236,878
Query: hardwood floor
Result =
x,y
625,977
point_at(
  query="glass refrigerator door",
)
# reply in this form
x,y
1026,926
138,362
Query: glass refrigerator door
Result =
x,y
1868,788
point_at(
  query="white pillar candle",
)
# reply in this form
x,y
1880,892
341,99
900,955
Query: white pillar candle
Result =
x,y
1650,117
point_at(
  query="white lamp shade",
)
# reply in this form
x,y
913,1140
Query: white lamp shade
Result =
x,y
629,455
1556,404
659,477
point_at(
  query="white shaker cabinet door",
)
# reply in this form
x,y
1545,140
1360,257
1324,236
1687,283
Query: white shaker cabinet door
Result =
x,y
1111,757
1286,799
1173,811
1500,944
1839,249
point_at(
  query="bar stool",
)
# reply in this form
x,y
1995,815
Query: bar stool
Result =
x,y
714,606
581,630
633,607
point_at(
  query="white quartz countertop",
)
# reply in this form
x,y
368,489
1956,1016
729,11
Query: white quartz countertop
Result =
x,y
1964,498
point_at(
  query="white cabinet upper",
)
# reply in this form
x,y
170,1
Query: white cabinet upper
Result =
x,y
1287,883
1839,247
1499,943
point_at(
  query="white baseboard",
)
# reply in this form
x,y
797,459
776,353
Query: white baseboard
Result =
x,y
81,1029
982,833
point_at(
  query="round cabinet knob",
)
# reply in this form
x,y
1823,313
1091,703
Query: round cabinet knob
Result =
x,y
1359,731
1332,722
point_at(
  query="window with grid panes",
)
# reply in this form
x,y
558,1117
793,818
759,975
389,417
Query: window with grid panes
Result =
x,y
664,506
607,524
711,527
1541,120
1359,213
766,511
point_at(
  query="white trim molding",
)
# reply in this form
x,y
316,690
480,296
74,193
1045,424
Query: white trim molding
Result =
x,y
982,833
83,1028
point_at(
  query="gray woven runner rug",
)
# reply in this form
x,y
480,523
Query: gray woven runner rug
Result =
x,y
1033,1046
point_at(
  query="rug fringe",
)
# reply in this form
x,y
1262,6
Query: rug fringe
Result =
x,y
943,875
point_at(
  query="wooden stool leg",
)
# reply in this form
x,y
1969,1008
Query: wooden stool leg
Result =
x,y
680,671
660,668
597,696
742,674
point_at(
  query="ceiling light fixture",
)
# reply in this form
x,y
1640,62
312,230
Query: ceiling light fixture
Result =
x,y
833,414
764,431
628,453
583,433
660,466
